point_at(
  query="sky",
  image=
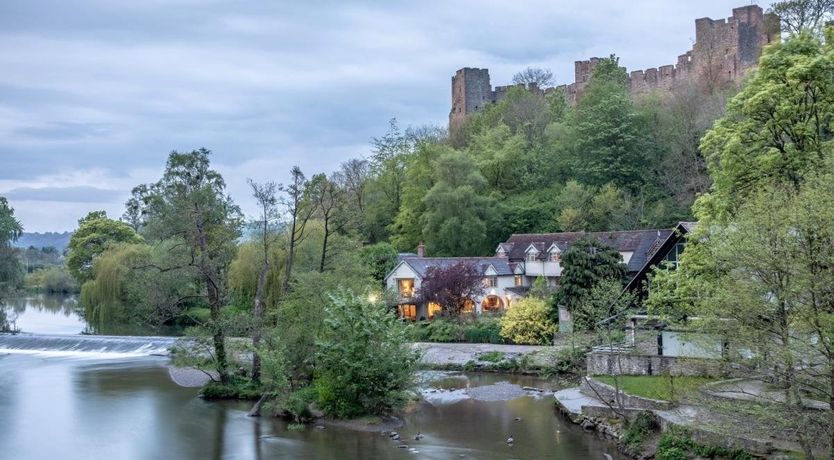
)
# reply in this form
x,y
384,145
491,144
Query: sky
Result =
x,y
94,94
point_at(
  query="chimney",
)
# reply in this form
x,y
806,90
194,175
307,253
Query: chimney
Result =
x,y
421,250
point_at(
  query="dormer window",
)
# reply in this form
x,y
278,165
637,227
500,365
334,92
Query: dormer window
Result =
x,y
555,256
531,256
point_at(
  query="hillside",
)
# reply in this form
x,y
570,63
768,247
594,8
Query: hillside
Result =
x,y
44,240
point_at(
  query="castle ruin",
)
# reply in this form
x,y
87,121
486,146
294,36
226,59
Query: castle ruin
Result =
x,y
724,50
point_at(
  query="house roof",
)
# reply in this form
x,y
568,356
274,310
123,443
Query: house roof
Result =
x,y
421,265
639,242
658,251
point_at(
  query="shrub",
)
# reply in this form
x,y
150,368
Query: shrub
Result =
x,y
528,322
677,444
364,362
639,429
485,329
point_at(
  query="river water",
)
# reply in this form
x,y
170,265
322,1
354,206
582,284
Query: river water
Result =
x,y
101,402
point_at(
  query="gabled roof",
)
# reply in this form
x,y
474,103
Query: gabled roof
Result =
x,y
658,251
421,265
637,242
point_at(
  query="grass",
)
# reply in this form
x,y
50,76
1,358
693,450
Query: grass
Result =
x,y
491,356
661,387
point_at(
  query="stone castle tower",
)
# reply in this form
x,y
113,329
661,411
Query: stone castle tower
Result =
x,y
724,50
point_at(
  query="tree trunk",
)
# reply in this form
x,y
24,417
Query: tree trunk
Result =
x,y
290,252
324,244
257,330
215,300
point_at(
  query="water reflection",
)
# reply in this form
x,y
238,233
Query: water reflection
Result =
x,y
129,409
44,314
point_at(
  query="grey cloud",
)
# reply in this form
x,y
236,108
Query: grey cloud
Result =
x,y
79,194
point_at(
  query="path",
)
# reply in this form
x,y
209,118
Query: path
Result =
x,y
458,354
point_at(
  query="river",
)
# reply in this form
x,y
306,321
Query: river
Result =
x,y
115,400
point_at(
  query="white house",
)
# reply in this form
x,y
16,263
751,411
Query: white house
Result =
x,y
517,263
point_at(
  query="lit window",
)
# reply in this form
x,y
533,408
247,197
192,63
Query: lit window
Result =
x,y
492,303
406,287
468,306
519,280
491,281
408,312
434,309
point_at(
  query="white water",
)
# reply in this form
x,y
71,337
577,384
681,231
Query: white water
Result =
x,y
85,345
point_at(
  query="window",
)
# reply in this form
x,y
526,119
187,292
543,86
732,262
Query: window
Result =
x,y
552,281
519,280
468,306
492,303
673,257
531,256
434,309
406,287
555,256
408,311
491,281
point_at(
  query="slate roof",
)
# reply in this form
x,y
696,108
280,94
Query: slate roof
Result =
x,y
421,265
639,242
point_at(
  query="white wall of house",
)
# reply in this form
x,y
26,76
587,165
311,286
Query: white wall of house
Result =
x,y
402,271
542,268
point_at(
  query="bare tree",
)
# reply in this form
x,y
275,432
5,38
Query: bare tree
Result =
x,y
267,213
299,213
353,177
798,15
328,200
541,77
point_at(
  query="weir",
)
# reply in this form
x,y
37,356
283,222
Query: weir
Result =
x,y
69,345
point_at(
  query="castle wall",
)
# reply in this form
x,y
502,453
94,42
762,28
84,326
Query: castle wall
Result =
x,y
724,50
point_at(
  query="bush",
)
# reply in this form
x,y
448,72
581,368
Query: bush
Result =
x,y
485,329
528,322
238,388
364,362
52,280
677,444
639,429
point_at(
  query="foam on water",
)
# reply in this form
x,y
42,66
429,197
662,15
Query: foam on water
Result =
x,y
85,346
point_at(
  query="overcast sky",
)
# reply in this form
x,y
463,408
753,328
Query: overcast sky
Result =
x,y
95,93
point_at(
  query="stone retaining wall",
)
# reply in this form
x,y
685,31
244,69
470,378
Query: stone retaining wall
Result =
x,y
606,363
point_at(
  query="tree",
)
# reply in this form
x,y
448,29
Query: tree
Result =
x,y
586,263
264,195
763,282
299,211
380,259
10,228
453,287
458,216
389,162
541,77
11,274
528,322
364,361
353,177
776,130
328,199
94,234
190,204
606,131
797,16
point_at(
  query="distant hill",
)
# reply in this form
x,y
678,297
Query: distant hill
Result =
x,y
58,241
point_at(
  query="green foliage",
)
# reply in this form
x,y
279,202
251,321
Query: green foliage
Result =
x,y
95,233
586,263
777,130
458,216
639,429
481,329
380,259
677,444
605,300
238,388
10,228
491,356
365,365
528,322
54,279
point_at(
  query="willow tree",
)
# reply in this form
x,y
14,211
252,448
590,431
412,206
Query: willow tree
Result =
x,y
94,234
189,204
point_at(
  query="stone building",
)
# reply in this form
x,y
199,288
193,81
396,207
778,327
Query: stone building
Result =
x,y
724,50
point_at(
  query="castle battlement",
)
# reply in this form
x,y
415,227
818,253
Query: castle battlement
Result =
x,y
724,50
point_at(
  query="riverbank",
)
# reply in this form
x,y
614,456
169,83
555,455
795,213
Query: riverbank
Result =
x,y
488,357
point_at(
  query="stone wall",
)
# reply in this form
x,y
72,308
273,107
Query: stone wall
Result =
x,y
607,363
